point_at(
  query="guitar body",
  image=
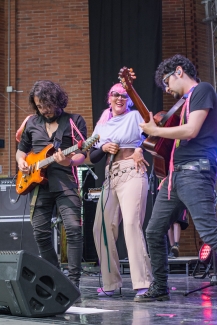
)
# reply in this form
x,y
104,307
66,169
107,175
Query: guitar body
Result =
x,y
25,183
161,148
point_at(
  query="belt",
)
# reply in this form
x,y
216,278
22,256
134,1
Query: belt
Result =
x,y
194,165
120,172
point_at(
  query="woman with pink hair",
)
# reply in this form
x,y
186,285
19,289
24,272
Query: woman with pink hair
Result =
x,y
124,190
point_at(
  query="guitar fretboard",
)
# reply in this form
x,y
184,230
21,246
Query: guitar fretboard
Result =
x,y
49,160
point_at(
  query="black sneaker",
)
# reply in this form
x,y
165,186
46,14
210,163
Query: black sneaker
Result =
x,y
154,293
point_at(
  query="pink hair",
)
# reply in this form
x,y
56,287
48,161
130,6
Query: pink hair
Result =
x,y
107,114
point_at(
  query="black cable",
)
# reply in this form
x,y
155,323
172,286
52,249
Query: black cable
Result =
x,y
22,227
13,201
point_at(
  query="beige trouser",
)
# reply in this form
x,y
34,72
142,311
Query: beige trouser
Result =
x,y
127,192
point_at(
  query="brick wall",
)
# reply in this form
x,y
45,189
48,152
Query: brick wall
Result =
x,y
49,40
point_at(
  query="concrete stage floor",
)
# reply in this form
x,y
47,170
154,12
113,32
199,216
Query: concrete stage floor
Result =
x,y
197,308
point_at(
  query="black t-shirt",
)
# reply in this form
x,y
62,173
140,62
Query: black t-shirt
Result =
x,y
35,138
205,143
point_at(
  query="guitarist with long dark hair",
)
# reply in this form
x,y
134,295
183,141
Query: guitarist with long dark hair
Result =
x,y
52,126
192,168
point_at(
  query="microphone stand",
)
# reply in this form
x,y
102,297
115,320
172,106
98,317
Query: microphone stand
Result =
x,y
89,172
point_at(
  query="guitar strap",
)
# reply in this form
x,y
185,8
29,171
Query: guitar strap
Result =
x,y
59,133
33,201
172,111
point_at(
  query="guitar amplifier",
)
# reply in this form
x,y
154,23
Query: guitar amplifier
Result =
x,y
16,209
15,228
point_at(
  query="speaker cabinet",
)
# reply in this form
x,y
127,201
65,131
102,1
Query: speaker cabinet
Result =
x,y
15,228
12,210
15,236
32,287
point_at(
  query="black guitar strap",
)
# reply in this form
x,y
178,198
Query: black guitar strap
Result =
x,y
61,128
175,107
171,111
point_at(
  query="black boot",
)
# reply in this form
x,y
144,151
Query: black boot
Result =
x,y
154,293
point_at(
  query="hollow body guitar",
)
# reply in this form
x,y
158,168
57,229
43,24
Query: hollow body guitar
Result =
x,y
160,148
39,162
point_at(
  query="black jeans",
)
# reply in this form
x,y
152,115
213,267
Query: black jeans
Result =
x,y
196,191
69,205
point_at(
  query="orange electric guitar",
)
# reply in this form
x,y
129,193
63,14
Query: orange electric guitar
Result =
x,y
160,148
39,162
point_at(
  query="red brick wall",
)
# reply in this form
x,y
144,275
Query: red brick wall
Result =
x,y
50,41
184,32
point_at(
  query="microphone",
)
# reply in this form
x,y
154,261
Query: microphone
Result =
x,y
112,157
92,173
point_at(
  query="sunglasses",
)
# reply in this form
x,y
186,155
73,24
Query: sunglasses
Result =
x,y
116,95
164,82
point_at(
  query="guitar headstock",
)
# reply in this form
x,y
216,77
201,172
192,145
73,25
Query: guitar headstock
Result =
x,y
126,77
86,145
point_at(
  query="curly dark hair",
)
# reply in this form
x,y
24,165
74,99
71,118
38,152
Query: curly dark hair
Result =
x,y
171,64
49,93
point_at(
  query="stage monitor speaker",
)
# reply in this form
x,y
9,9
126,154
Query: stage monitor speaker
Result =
x,y
32,287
